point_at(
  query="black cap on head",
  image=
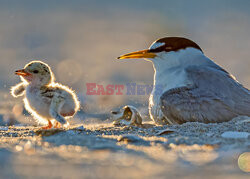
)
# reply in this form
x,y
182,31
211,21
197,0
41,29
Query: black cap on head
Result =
x,y
168,44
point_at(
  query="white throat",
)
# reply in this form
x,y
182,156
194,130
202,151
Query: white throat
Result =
x,y
170,73
170,67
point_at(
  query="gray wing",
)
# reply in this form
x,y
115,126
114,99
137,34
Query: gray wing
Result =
x,y
214,96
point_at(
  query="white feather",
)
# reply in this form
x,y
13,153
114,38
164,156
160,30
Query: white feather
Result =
x,y
169,73
156,45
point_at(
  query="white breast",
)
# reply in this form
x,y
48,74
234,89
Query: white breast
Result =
x,y
170,73
163,83
37,103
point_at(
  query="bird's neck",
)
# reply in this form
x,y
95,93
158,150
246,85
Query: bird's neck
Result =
x,y
38,85
170,67
40,82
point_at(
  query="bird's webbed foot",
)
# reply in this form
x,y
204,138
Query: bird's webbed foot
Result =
x,y
49,126
58,125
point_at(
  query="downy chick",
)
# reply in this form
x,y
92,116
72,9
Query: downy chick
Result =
x,y
44,99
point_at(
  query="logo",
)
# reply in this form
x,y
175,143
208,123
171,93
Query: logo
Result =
x,y
120,89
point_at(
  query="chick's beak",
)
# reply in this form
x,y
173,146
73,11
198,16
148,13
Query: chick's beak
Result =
x,y
139,54
22,72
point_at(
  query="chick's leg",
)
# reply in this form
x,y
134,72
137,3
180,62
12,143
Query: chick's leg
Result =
x,y
58,125
49,126
56,104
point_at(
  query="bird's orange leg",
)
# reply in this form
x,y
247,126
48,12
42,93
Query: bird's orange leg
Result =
x,y
49,126
58,125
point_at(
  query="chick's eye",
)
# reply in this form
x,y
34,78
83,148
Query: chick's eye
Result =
x,y
35,71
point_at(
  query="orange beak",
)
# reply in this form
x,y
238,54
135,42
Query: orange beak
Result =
x,y
22,72
138,54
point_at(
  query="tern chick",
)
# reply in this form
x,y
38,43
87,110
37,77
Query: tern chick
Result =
x,y
188,86
128,113
44,99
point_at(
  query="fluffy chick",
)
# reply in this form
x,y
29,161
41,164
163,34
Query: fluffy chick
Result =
x,y
46,100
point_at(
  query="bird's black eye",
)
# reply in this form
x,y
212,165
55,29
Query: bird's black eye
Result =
x,y
35,71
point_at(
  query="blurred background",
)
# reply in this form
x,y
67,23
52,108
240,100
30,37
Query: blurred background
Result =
x,y
81,39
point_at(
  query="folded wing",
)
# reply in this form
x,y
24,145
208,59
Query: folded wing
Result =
x,y
214,96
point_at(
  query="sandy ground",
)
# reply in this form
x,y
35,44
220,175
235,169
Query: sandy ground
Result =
x,y
81,41
101,150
